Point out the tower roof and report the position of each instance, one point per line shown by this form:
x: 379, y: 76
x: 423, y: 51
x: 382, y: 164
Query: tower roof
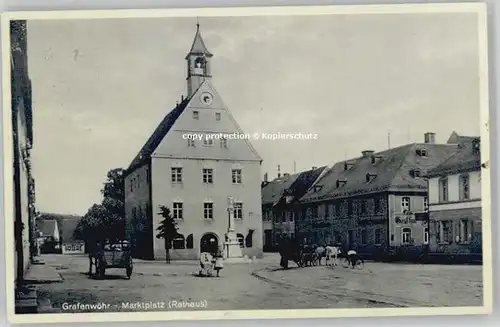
x: 198, y: 46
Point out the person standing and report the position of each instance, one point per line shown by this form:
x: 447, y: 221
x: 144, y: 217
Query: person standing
x: 218, y: 257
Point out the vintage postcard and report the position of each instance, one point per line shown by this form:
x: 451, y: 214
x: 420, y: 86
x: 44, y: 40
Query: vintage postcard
x: 236, y: 163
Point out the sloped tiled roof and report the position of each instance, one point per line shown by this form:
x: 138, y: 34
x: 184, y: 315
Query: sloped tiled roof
x: 198, y: 46
x: 295, y: 185
x: 158, y: 135
x: 465, y: 160
x: 272, y: 192
x: 456, y: 138
x: 392, y: 171
x: 65, y: 223
x: 304, y: 181
x: 47, y: 227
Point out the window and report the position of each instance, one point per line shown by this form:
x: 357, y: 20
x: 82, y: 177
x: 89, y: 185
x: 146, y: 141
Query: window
x: 464, y: 230
x: 134, y: 213
x: 196, y: 115
x: 308, y: 213
x: 283, y: 216
x: 189, y: 241
x: 207, y: 141
x: 364, y: 236
x: 464, y: 187
x: 208, y: 210
x: 445, y: 232
x: 443, y: 189
x: 223, y: 142
x: 208, y: 176
x: 241, y: 240
x: 406, y: 235
x: 238, y: 210
x: 291, y: 216
x: 191, y: 143
x: 236, y: 175
x: 178, y: 242
x: 426, y: 235
x: 176, y: 175
x: 331, y: 210
x: 217, y: 116
x: 177, y: 214
x: 132, y: 185
x: 292, y: 236
x: 405, y: 204
x: 378, y: 236
x: 426, y: 203
x: 421, y: 152
x: 363, y: 207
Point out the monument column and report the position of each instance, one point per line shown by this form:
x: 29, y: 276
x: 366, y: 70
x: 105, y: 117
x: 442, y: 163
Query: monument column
x: 233, y: 249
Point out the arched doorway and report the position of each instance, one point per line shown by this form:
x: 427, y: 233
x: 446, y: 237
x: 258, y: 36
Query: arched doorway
x: 209, y: 243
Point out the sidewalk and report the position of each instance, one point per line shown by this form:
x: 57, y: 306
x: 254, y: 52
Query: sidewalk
x: 27, y: 300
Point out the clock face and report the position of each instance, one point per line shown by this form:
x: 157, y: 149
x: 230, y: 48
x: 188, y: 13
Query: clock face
x: 206, y: 98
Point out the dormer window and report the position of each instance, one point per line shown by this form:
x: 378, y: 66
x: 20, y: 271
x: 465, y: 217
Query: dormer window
x: 415, y: 173
x: 317, y: 188
x: 196, y: 115
x: 341, y: 182
x: 421, y: 152
x: 370, y: 177
x: 217, y: 116
x: 376, y: 159
x: 348, y: 165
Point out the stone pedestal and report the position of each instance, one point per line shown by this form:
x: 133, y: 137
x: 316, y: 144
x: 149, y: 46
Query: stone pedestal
x: 232, y: 246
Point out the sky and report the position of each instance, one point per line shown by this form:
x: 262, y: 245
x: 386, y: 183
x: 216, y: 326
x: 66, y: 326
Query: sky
x: 101, y: 86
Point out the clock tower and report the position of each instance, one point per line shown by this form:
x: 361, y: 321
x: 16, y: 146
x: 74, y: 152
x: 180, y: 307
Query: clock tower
x: 198, y: 63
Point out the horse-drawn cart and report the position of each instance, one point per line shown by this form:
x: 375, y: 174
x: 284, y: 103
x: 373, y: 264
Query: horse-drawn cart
x: 117, y: 255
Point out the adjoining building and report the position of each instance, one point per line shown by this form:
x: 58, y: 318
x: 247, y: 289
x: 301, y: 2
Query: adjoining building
x: 279, y: 198
x: 25, y: 244
x: 195, y: 178
x: 455, y: 203
x: 375, y: 203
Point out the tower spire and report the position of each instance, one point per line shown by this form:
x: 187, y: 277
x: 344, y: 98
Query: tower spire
x: 198, y: 62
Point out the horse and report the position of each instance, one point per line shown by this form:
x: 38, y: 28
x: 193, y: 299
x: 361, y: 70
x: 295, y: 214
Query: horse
x: 319, y: 253
x: 332, y: 252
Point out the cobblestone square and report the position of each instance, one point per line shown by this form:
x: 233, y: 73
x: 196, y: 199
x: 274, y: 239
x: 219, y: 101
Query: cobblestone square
x: 260, y: 285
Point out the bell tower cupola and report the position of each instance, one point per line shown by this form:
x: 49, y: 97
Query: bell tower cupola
x: 198, y: 63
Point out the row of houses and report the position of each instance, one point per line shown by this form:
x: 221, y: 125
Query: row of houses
x: 56, y: 234
x: 403, y: 201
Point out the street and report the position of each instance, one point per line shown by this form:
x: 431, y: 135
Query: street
x: 261, y: 285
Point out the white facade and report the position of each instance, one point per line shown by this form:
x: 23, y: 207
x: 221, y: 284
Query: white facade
x: 195, y: 168
x: 456, y: 197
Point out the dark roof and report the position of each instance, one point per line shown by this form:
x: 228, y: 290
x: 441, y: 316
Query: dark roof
x: 391, y: 172
x: 465, y: 160
x: 304, y: 181
x: 198, y: 46
x: 66, y: 224
x: 295, y: 185
x: 272, y: 192
x: 157, y: 136
x: 47, y: 227
x: 455, y: 138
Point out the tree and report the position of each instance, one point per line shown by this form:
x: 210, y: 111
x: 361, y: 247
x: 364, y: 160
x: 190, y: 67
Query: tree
x: 106, y: 221
x: 167, y: 230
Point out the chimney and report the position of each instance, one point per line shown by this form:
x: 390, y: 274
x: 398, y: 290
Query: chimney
x: 279, y: 173
x: 286, y: 174
x: 314, y: 167
x: 367, y: 153
x: 182, y: 98
x: 265, y: 178
x: 430, y: 138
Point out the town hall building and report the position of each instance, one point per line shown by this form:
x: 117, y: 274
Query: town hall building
x: 207, y: 184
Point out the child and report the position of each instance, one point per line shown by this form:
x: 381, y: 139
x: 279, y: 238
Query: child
x: 218, y: 257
